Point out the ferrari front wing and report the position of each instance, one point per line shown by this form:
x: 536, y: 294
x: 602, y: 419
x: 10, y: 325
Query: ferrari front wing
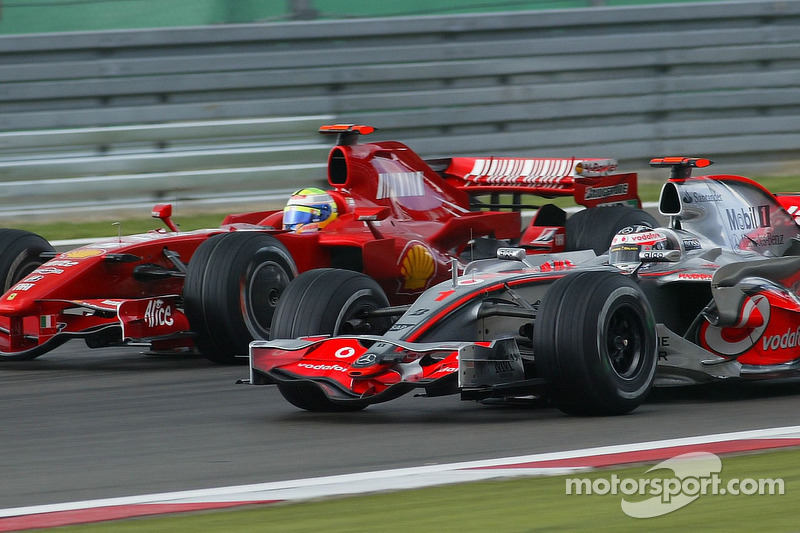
x: 98, y: 321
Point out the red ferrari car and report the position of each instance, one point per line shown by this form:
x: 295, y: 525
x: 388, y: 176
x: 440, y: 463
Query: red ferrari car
x: 388, y: 214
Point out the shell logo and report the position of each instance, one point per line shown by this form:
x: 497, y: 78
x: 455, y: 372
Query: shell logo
x: 416, y: 266
x: 83, y: 253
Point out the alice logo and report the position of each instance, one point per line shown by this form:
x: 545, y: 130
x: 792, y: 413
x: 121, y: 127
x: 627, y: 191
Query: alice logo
x: 158, y: 314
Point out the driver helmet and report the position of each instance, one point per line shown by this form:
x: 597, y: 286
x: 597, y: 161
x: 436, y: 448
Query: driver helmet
x: 628, y: 245
x: 308, y: 210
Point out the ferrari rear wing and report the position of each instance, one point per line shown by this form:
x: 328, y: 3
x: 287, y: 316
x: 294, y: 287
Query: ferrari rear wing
x: 591, y: 182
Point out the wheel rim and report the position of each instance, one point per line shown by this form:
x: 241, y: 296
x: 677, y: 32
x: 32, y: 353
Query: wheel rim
x: 625, y: 342
x: 266, y: 284
x: 348, y: 323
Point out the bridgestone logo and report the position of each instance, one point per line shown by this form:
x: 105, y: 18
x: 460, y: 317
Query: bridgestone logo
x: 593, y: 193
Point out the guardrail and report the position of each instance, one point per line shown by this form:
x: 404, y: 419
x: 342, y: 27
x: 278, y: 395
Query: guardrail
x: 719, y: 80
x: 48, y: 173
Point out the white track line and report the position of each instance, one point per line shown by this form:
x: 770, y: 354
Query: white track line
x: 394, y: 479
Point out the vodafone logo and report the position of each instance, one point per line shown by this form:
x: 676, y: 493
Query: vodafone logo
x: 309, y: 366
x: 790, y: 339
x: 733, y: 341
x: 647, y: 237
x: 345, y: 353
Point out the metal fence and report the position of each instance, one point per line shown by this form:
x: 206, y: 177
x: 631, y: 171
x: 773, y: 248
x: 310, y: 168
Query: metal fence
x: 188, y: 113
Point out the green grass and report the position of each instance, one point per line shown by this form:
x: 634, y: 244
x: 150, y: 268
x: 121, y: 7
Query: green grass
x: 53, y: 231
x: 530, y: 504
x: 780, y: 184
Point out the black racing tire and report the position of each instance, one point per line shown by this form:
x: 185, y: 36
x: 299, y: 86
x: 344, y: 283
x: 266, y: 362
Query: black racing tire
x: 322, y: 301
x: 594, y: 341
x: 233, y: 284
x: 20, y: 253
x: 314, y: 400
x: 594, y: 228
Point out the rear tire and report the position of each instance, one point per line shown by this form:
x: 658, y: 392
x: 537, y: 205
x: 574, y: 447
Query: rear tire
x: 594, y: 228
x: 594, y: 341
x: 233, y: 285
x: 325, y: 302
x: 20, y: 253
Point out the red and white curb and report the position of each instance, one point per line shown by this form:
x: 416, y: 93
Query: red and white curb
x: 542, y: 464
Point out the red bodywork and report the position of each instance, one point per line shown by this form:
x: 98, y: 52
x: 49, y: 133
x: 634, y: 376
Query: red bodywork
x: 331, y: 359
x: 399, y: 221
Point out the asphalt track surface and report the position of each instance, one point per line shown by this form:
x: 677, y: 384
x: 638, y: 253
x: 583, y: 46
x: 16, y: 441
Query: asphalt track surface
x: 79, y: 424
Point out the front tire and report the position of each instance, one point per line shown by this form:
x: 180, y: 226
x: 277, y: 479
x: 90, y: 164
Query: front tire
x: 20, y: 253
x: 233, y: 284
x: 310, y: 398
x: 326, y: 301
x: 594, y: 342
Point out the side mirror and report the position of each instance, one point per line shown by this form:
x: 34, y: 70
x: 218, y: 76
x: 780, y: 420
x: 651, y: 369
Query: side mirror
x: 371, y: 214
x: 164, y: 213
x: 368, y: 215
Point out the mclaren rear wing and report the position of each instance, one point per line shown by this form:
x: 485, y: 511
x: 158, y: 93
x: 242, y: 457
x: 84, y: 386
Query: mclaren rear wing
x: 591, y: 182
